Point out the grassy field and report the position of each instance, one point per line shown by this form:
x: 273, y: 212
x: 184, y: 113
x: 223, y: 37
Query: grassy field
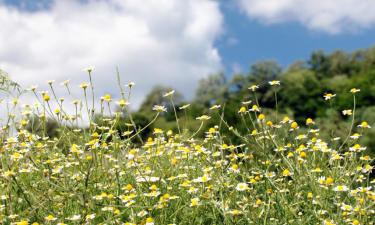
x: 282, y: 173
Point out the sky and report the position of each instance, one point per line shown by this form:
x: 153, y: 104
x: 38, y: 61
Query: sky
x: 170, y: 42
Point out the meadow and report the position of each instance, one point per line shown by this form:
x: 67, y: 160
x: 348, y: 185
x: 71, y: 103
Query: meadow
x: 280, y: 171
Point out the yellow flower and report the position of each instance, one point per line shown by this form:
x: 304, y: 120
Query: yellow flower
x: 123, y: 103
x: 149, y: 221
x: 364, y: 124
x: 23, y: 222
x: 328, y: 96
x: 235, y: 212
x: 294, y: 125
x: 194, y: 202
x: 57, y: 111
x: 341, y: 188
x: 354, y: 90
x: 329, y: 181
x: 45, y: 96
x: 261, y: 116
x: 242, y: 109
x: 274, y: 82
x: 309, y: 121
x: 107, y: 98
x: 255, y: 108
x: 355, y: 222
x: 50, y: 218
x: 286, y: 173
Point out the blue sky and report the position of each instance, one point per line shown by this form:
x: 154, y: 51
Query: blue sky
x: 285, y: 43
x: 170, y: 42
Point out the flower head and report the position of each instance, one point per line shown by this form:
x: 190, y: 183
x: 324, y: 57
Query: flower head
x: 274, y: 82
x: 328, y: 96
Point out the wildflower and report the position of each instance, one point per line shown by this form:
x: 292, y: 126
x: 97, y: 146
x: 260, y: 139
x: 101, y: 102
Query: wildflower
x: 130, y: 84
x: 33, y: 88
x: 45, y: 96
x: 357, y: 148
x: 74, y: 218
x: 16, y: 156
x: 341, y: 188
x: 90, y: 216
x: 57, y: 111
x: 255, y: 108
x: 50, y: 218
x: 242, y: 187
x: 50, y: 82
x: 159, y: 108
x: 84, y: 85
x: 149, y: 221
x: 364, y: 124
x: 235, y: 212
x: 253, y: 87
x: 203, y: 179
x: 194, y: 202
x: 347, y: 112
x: 168, y: 94
x: 242, y: 110
x: 286, y: 173
x: 215, y: 107
x: 355, y: 222
x: 328, y: 96
x: 88, y: 69
x: 261, y: 116
x: 355, y: 90
x: 309, y: 121
x: 274, y: 82
x: 65, y: 82
x: 203, y: 118
x: 107, y: 98
x: 355, y: 136
x: 258, y: 202
x: 184, y: 106
x: 346, y: 207
x: 123, y: 103
x: 23, y: 222
x: 294, y: 125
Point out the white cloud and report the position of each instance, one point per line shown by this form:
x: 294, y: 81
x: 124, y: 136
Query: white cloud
x: 167, y: 42
x: 332, y: 16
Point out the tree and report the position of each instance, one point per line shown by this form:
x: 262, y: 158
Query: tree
x: 212, y: 90
x: 265, y: 71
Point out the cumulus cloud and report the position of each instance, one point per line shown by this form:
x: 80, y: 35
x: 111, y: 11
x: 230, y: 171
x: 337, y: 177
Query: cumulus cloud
x: 168, y: 42
x: 332, y: 16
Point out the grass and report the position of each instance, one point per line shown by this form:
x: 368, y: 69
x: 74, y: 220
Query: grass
x: 279, y: 174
